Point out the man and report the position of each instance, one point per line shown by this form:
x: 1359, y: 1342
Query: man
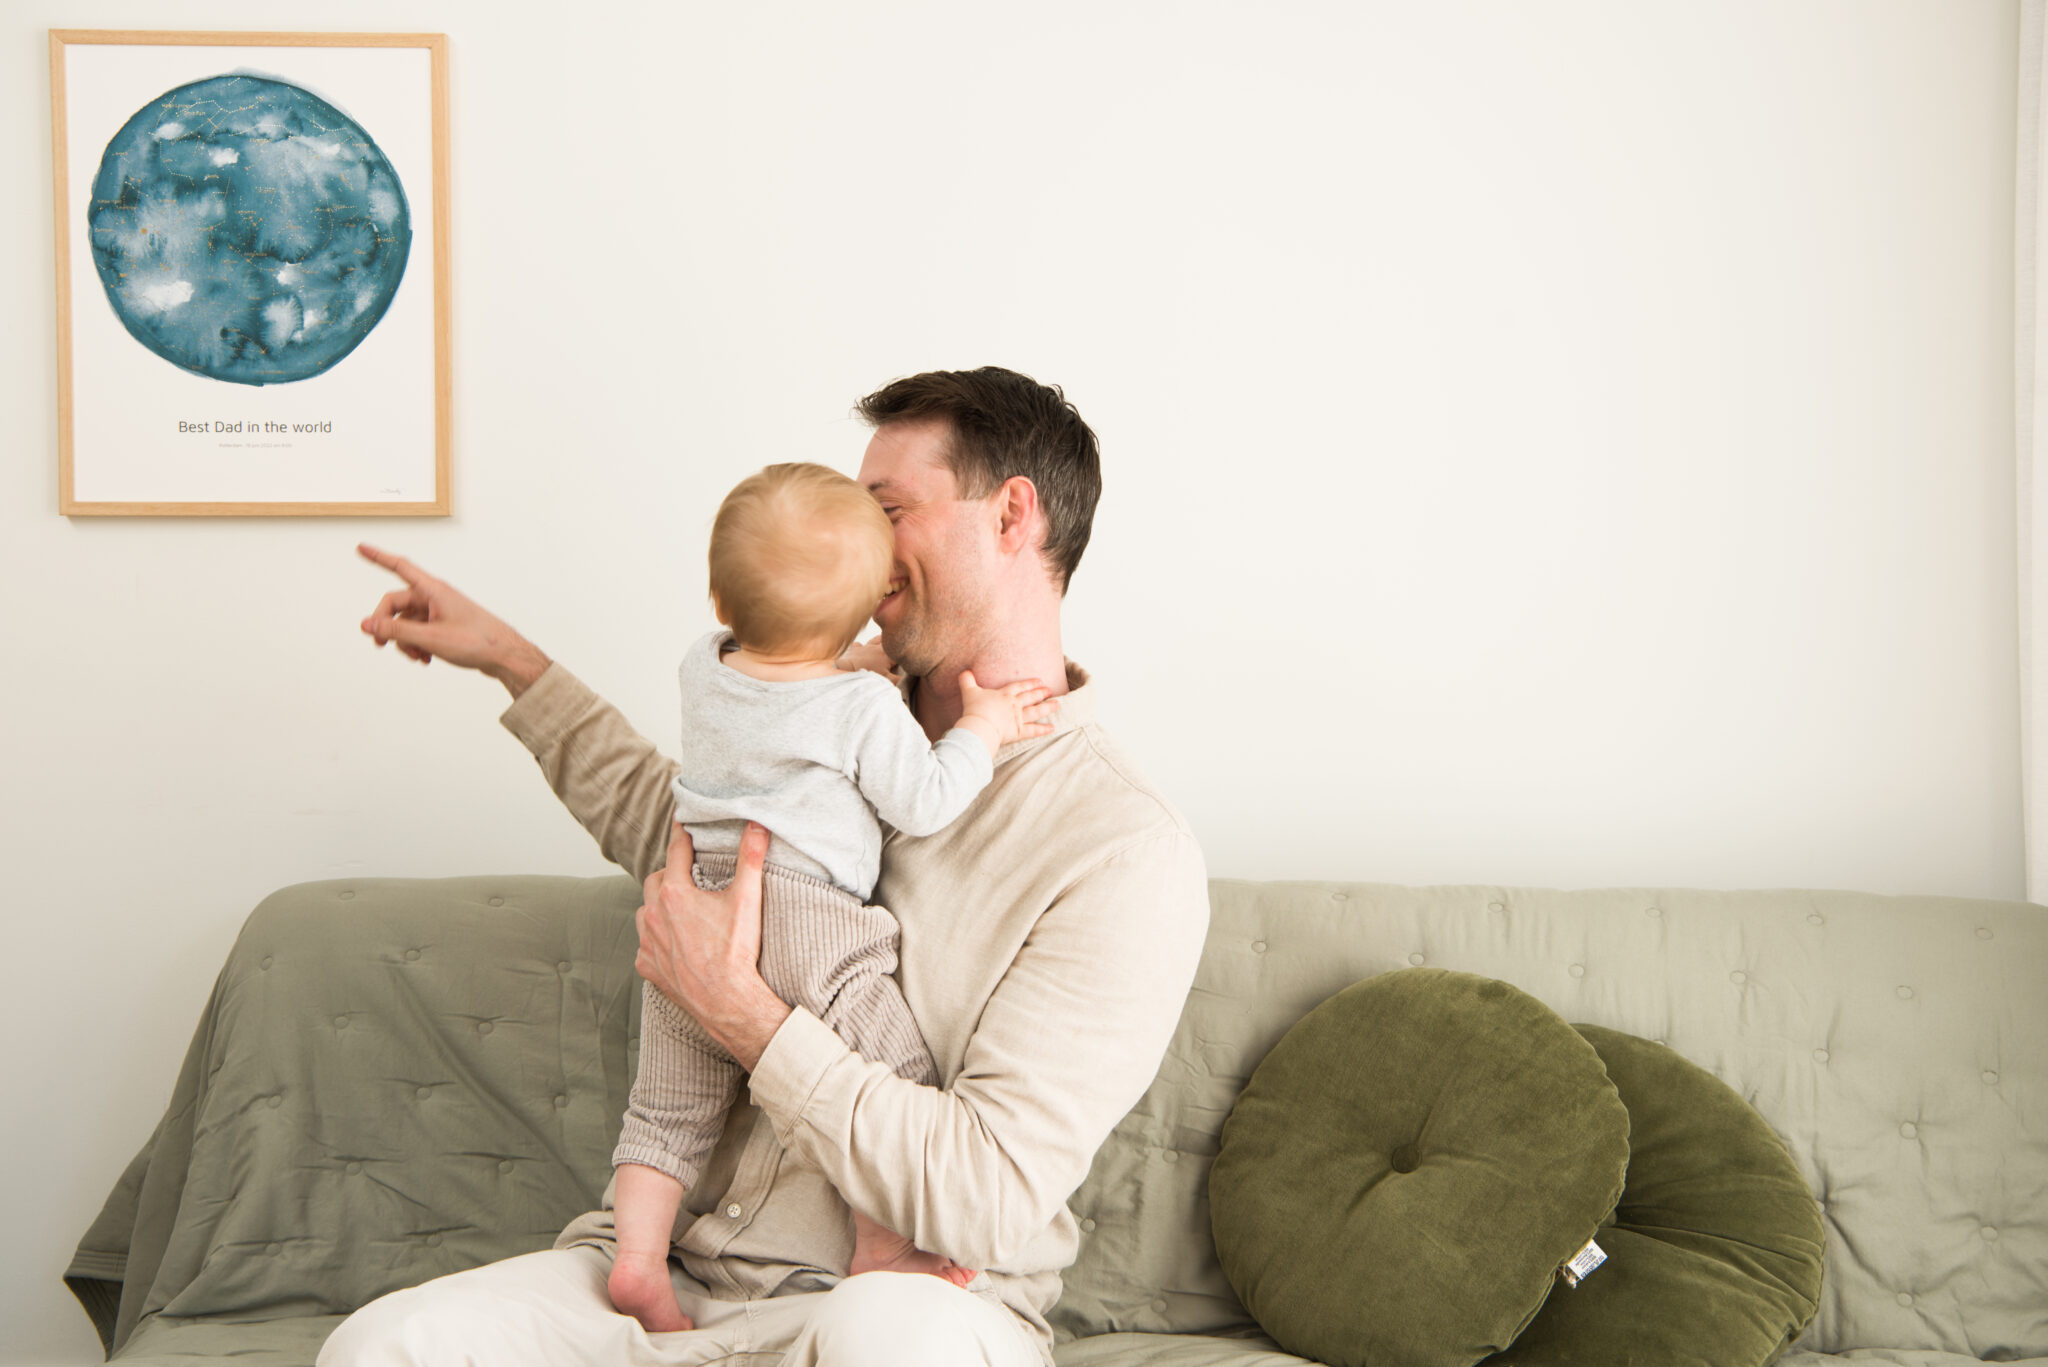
x: 1049, y: 937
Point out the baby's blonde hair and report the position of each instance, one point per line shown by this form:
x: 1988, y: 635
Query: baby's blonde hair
x: 800, y: 556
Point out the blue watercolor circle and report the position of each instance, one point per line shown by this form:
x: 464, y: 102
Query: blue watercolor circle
x: 247, y: 230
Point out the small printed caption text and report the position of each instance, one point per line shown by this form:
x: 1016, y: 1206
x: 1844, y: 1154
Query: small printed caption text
x: 253, y: 425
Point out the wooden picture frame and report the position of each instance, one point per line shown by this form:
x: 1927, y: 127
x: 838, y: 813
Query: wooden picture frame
x: 249, y: 319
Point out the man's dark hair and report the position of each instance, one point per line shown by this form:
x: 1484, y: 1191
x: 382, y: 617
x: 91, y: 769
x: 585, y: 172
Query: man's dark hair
x: 1005, y: 425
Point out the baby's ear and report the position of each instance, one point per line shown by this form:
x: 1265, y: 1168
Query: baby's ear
x: 718, y: 611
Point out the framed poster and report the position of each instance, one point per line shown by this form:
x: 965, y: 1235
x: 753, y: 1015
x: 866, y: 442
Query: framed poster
x: 252, y: 273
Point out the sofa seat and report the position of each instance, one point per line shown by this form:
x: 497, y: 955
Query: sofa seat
x: 290, y: 1342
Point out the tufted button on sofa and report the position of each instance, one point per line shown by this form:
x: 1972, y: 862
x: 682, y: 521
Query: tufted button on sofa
x: 400, y: 1078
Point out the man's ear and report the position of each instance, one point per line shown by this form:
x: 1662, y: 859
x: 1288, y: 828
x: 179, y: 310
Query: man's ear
x: 1020, y: 522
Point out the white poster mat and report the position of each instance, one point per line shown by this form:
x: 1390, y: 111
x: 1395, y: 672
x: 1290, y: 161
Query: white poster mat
x: 127, y: 402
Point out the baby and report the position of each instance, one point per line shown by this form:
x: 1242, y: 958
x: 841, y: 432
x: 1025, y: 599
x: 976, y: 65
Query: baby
x: 775, y: 731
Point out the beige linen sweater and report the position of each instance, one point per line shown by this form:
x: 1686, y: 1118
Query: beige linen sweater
x: 1049, y: 939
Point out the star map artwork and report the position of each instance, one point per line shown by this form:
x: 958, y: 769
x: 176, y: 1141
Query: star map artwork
x: 247, y: 230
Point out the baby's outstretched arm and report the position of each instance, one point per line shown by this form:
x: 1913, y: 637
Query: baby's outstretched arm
x: 919, y: 786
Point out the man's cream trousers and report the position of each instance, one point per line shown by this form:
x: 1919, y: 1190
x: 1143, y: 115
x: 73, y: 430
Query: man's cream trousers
x: 551, y: 1309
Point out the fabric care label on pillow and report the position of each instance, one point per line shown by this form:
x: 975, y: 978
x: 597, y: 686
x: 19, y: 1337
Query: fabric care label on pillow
x: 1582, y: 1264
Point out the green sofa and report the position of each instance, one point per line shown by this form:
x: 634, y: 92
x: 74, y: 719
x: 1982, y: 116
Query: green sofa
x: 401, y: 1078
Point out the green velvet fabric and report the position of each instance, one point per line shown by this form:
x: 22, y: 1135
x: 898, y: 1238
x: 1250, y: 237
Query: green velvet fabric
x: 1715, y: 1251
x: 1409, y: 1168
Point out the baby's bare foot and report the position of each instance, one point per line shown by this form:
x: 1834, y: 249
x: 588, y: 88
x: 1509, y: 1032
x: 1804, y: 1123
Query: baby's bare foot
x: 640, y: 1287
x: 876, y: 1249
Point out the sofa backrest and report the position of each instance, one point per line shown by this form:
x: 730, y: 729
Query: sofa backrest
x: 395, y: 1079
x: 1898, y: 1045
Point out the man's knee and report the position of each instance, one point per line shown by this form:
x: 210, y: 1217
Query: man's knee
x: 908, y: 1320
x: 436, y: 1324
x: 540, y: 1307
x: 373, y: 1336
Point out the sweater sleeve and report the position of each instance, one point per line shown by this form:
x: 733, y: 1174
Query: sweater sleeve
x: 1067, y: 1044
x: 609, y: 776
x: 913, y: 784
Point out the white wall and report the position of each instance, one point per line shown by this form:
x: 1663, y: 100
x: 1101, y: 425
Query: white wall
x: 1561, y: 444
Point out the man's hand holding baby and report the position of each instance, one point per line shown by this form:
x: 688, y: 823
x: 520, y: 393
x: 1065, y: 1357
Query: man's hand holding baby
x: 702, y: 950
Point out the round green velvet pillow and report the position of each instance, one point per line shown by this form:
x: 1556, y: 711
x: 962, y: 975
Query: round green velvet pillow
x: 1408, y: 1170
x: 1714, y: 1254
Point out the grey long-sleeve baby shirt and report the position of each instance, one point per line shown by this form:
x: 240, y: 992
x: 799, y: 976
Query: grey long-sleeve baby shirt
x: 816, y: 761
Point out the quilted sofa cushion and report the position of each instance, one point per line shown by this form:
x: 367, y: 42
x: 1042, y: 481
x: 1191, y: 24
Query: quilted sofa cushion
x: 1411, y: 1165
x: 428, y: 1075
x: 1899, y: 1046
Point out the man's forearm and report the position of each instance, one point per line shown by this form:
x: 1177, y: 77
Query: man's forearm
x: 519, y: 665
x: 609, y: 776
x: 747, y: 1021
x: 748, y: 1031
x: 1061, y: 1050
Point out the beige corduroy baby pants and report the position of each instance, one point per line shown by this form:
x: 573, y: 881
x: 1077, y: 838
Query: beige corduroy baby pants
x: 822, y: 950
